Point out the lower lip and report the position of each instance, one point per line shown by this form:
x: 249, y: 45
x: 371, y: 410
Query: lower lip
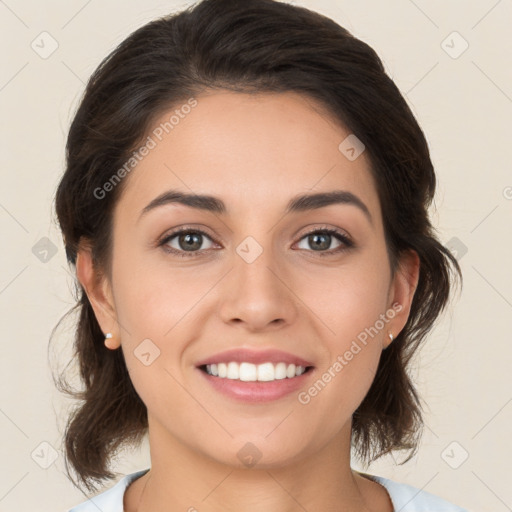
x: 255, y: 391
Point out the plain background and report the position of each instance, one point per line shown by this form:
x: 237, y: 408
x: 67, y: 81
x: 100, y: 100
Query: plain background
x: 463, y: 102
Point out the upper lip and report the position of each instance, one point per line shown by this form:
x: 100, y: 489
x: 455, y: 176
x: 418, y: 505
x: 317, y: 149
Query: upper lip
x: 241, y: 355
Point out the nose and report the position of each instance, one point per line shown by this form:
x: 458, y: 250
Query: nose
x: 257, y: 294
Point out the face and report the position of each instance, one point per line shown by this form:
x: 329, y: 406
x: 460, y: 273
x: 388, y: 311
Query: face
x: 308, y: 285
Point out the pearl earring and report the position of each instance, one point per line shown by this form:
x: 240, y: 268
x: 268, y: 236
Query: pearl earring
x: 108, y: 343
x: 391, y: 337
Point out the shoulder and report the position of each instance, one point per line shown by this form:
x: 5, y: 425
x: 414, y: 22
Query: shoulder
x: 112, y: 499
x: 408, y: 498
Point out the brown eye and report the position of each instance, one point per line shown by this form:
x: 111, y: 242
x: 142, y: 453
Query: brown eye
x: 185, y: 241
x: 321, y: 240
x: 189, y: 241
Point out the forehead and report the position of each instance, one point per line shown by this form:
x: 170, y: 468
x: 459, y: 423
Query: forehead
x: 249, y: 149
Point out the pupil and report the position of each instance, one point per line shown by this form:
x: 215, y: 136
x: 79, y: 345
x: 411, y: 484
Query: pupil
x: 190, y: 239
x: 320, y: 245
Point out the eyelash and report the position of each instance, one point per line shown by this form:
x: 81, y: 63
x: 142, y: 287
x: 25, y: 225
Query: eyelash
x: 346, y: 242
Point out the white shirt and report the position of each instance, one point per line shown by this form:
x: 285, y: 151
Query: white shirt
x: 405, y: 498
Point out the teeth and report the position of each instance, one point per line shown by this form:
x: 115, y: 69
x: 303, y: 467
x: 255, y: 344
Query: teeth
x: 249, y: 372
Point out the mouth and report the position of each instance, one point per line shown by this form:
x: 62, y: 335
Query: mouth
x: 256, y: 376
x: 249, y: 372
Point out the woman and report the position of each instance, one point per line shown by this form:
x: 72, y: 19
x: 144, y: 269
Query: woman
x: 245, y: 204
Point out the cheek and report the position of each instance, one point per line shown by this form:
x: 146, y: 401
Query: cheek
x: 152, y: 296
x: 354, y: 321
x: 347, y: 299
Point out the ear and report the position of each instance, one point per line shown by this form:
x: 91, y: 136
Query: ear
x: 401, y: 293
x: 99, y: 293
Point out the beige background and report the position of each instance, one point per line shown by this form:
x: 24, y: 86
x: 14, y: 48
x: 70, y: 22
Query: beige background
x: 463, y: 104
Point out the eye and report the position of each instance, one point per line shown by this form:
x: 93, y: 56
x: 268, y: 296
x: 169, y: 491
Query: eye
x: 188, y: 242
x: 321, y: 239
x: 185, y: 240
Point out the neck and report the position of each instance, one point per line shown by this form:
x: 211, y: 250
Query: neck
x: 183, y: 479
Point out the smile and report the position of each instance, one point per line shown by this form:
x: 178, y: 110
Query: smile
x: 249, y: 372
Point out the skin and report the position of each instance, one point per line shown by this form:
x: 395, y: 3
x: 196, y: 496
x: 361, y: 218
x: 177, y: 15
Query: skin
x: 255, y: 152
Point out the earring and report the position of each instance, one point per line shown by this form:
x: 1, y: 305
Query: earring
x: 391, y: 337
x: 108, y: 343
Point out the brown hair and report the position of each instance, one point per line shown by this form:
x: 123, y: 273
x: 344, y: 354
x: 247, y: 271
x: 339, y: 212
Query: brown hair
x: 244, y: 46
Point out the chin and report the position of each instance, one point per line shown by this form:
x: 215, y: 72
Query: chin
x: 257, y: 452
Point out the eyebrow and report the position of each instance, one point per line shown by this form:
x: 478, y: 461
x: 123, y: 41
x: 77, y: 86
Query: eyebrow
x: 298, y: 203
